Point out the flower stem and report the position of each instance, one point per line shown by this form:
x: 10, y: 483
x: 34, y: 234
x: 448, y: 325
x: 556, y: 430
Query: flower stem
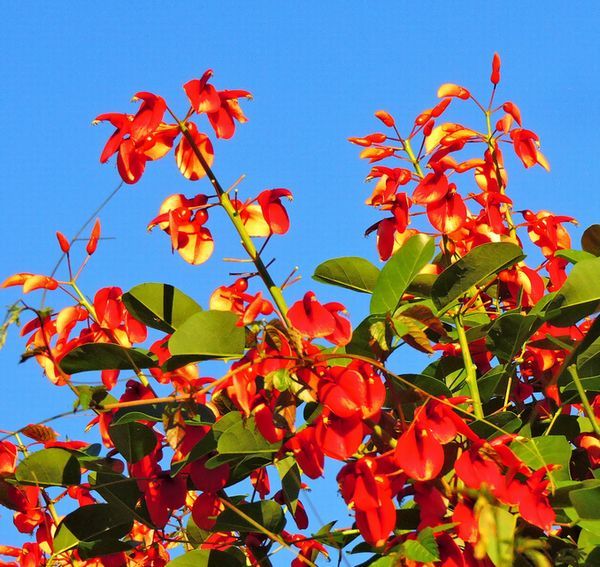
x: 470, y: 367
x: 587, y: 408
x: 233, y: 215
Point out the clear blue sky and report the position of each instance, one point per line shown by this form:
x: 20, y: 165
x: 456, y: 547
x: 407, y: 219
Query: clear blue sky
x: 317, y: 70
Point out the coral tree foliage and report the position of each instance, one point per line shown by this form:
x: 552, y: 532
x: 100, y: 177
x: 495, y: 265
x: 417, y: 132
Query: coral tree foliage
x: 489, y: 456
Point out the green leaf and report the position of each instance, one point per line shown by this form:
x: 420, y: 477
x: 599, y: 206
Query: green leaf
x: 574, y: 256
x: 123, y: 493
x: 92, y: 396
x: 476, y: 267
x: 238, y: 436
x: 91, y: 523
x: 578, y: 297
x: 207, y: 558
x: 399, y: 271
x: 289, y: 473
x: 149, y: 412
x: 508, y: 334
x: 49, y: 467
x: 542, y: 451
x: 160, y: 306
x: 586, y: 502
x: 590, y: 239
x: 349, y: 272
x: 267, y: 513
x: 133, y: 440
x: 209, y: 334
x: 497, y: 527
x: 105, y: 356
x: 424, y: 549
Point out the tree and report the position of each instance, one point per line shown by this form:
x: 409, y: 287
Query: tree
x: 487, y: 457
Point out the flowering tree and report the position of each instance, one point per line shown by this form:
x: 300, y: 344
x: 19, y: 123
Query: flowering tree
x: 489, y: 456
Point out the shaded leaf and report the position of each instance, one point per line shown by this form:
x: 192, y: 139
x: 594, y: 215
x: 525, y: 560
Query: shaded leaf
x: 289, y: 473
x: 508, y: 334
x: 207, y: 558
x: 590, y: 239
x: 91, y: 523
x: 123, y: 493
x: 267, y: 513
x: 133, y: 440
x: 105, y: 356
x: 506, y: 421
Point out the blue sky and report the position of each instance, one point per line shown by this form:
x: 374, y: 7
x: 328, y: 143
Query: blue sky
x: 318, y: 71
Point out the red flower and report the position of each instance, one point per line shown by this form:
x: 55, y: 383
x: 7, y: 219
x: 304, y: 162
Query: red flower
x: 221, y: 107
x: 187, y: 160
x: 139, y: 138
x: 526, y: 145
x: 315, y: 320
x: 419, y: 453
x: 273, y: 211
x: 307, y: 452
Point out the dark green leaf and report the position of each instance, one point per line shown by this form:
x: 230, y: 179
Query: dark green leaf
x: 289, y: 473
x: 508, y: 334
x: 497, y: 424
x: 428, y: 384
x: 476, y: 267
x: 590, y: 239
x: 133, y: 440
x: 267, y: 513
x: 49, y: 467
x: 160, y: 306
x: 349, y: 272
x: 209, y: 334
x: 207, y: 558
x: 578, y: 297
x: 421, y: 285
x: 123, y: 493
x: 105, y: 356
x: 493, y: 382
x: 399, y: 272
x: 91, y: 523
